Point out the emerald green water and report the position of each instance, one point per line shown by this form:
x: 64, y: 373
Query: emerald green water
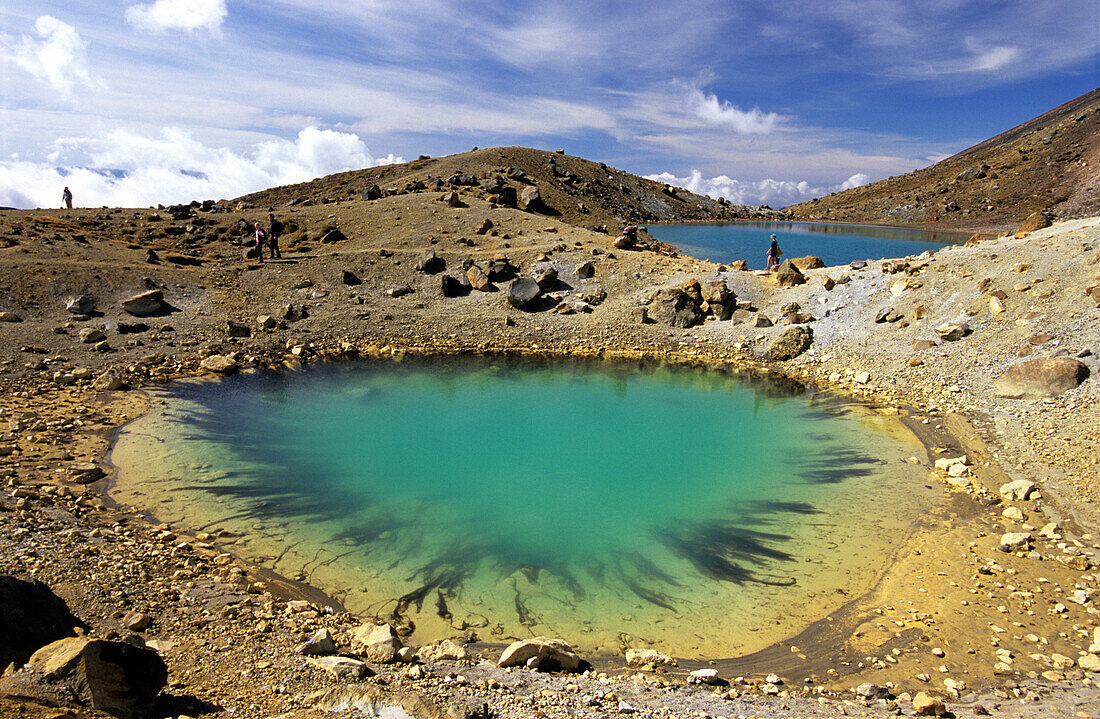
x: 610, y: 504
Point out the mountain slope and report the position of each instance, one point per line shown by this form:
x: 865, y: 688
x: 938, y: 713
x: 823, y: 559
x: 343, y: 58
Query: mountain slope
x: 574, y: 190
x: 1048, y: 164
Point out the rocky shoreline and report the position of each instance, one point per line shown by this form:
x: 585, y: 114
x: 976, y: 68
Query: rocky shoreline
x: 968, y: 612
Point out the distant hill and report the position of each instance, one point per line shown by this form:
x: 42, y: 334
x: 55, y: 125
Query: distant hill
x: 574, y: 190
x: 1049, y: 164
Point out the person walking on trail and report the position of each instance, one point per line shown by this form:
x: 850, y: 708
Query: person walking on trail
x: 773, y: 253
x: 274, y: 229
x: 67, y: 198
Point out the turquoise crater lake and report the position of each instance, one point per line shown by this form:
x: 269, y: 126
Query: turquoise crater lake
x: 613, y: 504
x: 836, y: 244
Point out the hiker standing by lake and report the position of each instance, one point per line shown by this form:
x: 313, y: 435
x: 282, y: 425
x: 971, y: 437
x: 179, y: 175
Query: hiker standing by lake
x: 773, y: 253
x: 67, y: 198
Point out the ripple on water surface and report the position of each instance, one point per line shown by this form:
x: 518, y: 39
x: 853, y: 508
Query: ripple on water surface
x: 609, y: 504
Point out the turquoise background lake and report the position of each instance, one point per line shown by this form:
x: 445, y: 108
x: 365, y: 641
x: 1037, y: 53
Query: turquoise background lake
x: 836, y: 244
x: 594, y: 501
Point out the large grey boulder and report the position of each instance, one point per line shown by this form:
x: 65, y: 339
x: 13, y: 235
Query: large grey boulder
x: 119, y: 678
x: 675, y: 308
x: 787, y: 275
x: 1041, y: 377
x: 522, y: 292
x: 31, y: 616
x: 541, y: 652
x: 791, y: 343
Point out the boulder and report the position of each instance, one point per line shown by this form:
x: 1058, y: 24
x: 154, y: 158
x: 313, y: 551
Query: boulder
x: 809, y: 262
x: 791, y: 343
x: 721, y: 301
x: 344, y: 669
x: 1021, y: 489
x: 10, y: 317
x: 1011, y: 541
x: 399, y: 291
x: 372, y: 192
x: 85, y: 472
x: 452, y: 286
x: 952, y: 331
x: 31, y: 618
x: 706, y: 676
x: 872, y: 692
x: 546, y: 278
x: 119, y: 678
x: 1035, y: 221
x: 501, y: 269
x: 478, y: 279
x: 522, y: 291
x: 928, y: 706
x: 91, y: 335
x: 1041, y: 377
x: 484, y: 227
x: 219, y: 364
x: 145, y: 303
x: 788, y: 275
x: 377, y: 642
x: 674, y: 307
x: 80, y: 305
x: 350, y: 279
x: 739, y: 266
x: 320, y: 643
x: 430, y: 263
x: 541, y: 652
x: 333, y: 235
x: 651, y: 657
x: 585, y: 270
x: 237, y: 329
x: 530, y: 199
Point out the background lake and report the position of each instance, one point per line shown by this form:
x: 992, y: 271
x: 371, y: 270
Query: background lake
x: 836, y: 244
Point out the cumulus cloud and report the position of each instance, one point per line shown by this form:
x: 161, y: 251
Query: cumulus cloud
x: 721, y: 113
x: 186, y: 15
x: 58, y: 56
x: 125, y: 169
x: 776, y: 193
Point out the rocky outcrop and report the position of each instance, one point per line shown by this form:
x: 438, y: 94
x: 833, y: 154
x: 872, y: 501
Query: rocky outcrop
x: 1041, y: 377
x: 31, y: 617
x: 119, y: 678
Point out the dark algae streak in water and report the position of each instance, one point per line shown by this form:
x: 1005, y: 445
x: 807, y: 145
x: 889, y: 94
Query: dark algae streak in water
x: 581, y: 498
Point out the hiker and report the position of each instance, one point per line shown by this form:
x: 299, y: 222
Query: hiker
x: 773, y: 253
x: 258, y: 243
x: 67, y: 198
x: 274, y: 229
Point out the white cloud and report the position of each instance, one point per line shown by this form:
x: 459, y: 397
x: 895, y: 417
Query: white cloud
x: 125, y: 169
x: 720, y: 113
x: 58, y: 57
x: 776, y: 193
x: 989, y: 58
x: 187, y: 15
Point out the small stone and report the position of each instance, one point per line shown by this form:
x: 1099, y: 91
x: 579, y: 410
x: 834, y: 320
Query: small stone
x: 926, y: 705
x: 320, y: 643
x: 1018, y: 490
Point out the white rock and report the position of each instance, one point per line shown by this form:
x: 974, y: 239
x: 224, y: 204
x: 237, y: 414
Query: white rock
x: 1090, y: 663
x: 543, y: 649
x: 705, y: 676
x: 1020, y: 489
x: 1013, y: 513
x: 641, y: 657
x: 1015, y: 540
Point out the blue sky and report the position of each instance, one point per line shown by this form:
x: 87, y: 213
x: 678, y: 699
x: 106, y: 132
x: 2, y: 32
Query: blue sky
x: 756, y: 101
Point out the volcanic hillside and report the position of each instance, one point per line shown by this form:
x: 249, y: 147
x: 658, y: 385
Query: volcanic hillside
x: 1049, y: 164
x: 571, y: 189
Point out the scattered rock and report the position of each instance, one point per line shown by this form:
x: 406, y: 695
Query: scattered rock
x: 399, y: 291
x: 320, y: 643
x: 788, y: 275
x: 430, y: 263
x: 377, y: 642
x: 478, y: 279
x: 1011, y: 541
x: 926, y: 705
x: 546, y: 653
x: 145, y: 303
x: 80, y: 305
x: 1041, y: 377
x: 372, y: 192
x: 484, y: 227
x: 530, y: 199
x: 1019, y: 490
x: 706, y: 676
x: 219, y: 364
x: 1035, y: 221
x: 344, y: 669
x: 522, y: 291
x: 952, y: 331
x: 809, y: 262
x: 651, y: 657
x: 585, y: 270
x: 237, y: 329
x: 350, y: 279
x: 791, y: 343
x: 872, y: 692
x: 91, y: 335
x: 85, y: 472
x: 675, y: 308
x: 454, y: 287
x: 10, y: 317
